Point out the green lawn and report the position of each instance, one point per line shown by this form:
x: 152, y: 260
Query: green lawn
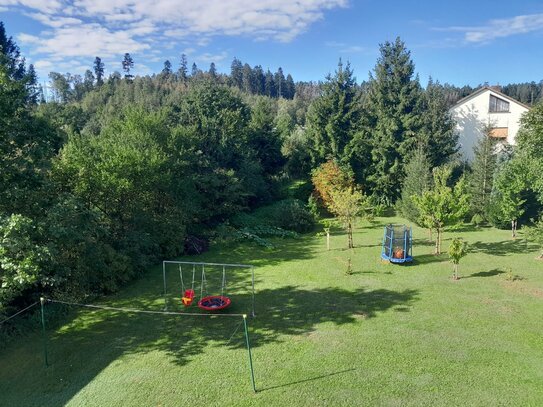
x: 386, y: 335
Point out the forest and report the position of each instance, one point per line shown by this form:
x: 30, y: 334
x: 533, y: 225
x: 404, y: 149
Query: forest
x: 103, y: 176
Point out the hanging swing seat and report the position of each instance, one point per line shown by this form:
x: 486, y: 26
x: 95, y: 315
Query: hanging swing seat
x: 214, y: 303
x: 188, y: 297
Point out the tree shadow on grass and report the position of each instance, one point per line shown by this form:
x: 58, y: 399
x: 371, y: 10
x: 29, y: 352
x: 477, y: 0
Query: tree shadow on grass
x: 423, y: 242
x: 502, y: 248
x: 95, y: 339
x: 428, y: 258
x: 489, y: 273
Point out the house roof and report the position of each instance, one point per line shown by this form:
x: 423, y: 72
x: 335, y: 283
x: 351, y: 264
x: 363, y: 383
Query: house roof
x: 491, y: 89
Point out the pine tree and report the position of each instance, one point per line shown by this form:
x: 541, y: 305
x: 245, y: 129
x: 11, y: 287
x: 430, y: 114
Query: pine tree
x: 99, y: 71
x: 482, y: 175
x: 88, y: 80
x: 437, y: 135
x: 167, y: 70
x: 31, y: 79
x: 259, y: 80
x: 247, y: 79
x: 392, y: 119
x: 269, y: 85
x: 128, y: 64
x: 332, y: 118
x: 279, y: 78
x: 290, y: 87
x: 10, y: 56
x: 182, y: 73
x: 194, y: 71
x: 212, y: 70
x: 236, y: 73
x: 417, y: 180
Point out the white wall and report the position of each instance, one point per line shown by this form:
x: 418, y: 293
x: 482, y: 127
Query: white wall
x: 472, y: 116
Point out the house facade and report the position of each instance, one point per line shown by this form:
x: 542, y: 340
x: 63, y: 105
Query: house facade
x: 486, y: 108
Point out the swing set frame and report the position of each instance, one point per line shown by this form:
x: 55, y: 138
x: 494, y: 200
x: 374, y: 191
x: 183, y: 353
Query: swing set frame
x: 203, y: 266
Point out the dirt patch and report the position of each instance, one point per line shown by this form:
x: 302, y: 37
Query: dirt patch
x: 521, y: 288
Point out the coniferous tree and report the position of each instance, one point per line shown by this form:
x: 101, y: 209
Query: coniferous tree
x: 269, y: 85
x: 88, y: 80
x: 128, y: 64
x: 437, y: 135
x: 167, y: 70
x: 31, y: 79
x: 259, y: 80
x: 194, y: 71
x: 482, y: 174
x: 236, y: 73
x: 212, y: 70
x: 247, y: 80
x: 279, y: 78
x: 182, y: 73
x: 10, y: 56
x: 417, y: 180
x: 392, y: 118
x: 332, y: 117
x: 99, y: 71
x: 290, y: 87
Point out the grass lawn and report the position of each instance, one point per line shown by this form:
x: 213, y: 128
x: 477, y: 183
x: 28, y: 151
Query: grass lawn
x: 385, y: 335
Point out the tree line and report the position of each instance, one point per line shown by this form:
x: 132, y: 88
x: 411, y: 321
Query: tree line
x: 251, y: 80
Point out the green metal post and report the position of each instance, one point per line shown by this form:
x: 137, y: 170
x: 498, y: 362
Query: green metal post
x: 249, y: 351
x: 44, y: 338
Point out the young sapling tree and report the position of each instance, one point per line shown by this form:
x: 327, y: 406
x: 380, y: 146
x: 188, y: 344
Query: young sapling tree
x: 442, y: 205
x: 457, y: 250
x: 347, y: 204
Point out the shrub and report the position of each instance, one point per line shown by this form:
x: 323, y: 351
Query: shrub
x: 477, y: 219
x: 291, y: 214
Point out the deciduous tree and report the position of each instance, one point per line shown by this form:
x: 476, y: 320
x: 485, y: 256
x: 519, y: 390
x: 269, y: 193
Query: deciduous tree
x: 442, y: 205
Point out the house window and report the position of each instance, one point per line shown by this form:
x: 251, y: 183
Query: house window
x: 498, y: 105
x: 499, y: 132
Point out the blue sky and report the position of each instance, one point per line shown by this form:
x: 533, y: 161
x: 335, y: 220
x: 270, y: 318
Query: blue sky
x: 460, y: 42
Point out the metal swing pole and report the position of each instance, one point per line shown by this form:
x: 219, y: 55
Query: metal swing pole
x: 249, y: 352
x: 223, y: 280
x: 193, y: 275
x: 164, y: 277
x: 253, y: 287
x: 44, y: 337
x: 202, y: 284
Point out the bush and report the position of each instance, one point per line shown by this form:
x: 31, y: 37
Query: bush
x: 477, y: 219
x: 289, y: 214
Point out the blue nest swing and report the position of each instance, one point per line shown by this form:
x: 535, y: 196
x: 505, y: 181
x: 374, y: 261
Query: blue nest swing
x: 397, y: 244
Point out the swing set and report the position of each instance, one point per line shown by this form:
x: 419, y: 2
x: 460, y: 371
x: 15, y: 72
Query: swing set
x: 208, y: 302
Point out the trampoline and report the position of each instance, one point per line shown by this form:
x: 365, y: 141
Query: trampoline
x: 214, y: 303
x: 397, y: 244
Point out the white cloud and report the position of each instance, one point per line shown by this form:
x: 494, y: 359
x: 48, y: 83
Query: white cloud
x: 344, y: 48
x: 83, y: 29
x: 208, y: 57
x: 500, y: 28
x: 84, y: 40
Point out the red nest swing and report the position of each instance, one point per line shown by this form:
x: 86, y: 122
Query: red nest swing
x: 209, y: 302
x: 214, y: 303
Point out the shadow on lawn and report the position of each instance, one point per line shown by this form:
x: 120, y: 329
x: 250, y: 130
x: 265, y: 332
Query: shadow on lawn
x: 95, y: 339
x: 489, y: 273
x: 502, y: 248
x: 310, y: 379
x: 428, y: 258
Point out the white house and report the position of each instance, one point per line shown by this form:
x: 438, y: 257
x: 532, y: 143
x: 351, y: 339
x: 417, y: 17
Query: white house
x: 486, y: 107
